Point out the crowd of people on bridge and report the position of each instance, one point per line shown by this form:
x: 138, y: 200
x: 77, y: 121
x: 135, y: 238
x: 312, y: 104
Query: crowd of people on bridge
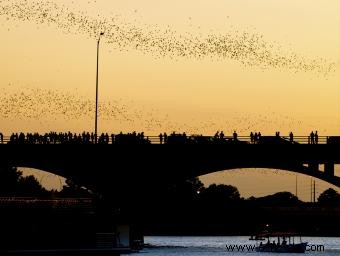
x: 51, y: 138
x: 218, y: 138
x: 313, y: 138
x: 140, y: 138
x: 255, y: 137
x: 173, y: 138
x: 130, y: 138
x: 74, y: 138
x: 194, y: 139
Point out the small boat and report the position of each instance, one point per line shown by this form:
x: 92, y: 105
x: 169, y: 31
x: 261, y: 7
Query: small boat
x: 256, y: 238
x: 280, y: 242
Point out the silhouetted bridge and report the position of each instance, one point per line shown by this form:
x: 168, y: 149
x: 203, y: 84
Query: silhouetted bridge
x: 140, y: 138
x: 122, y: 168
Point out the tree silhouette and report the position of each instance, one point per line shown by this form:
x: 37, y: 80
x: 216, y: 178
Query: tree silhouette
x: 329, y: 197
x: 72, y: 189
x: 9, y: 180
x: 277, y: 199
x: 12, y: 183
x: 220, y: 194
x: 29, y: 186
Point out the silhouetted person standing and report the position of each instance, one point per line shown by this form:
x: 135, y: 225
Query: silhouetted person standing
x: 235, y: 136
x: 165, y: 136
x: 312, y: 137
x: 251, y: 137
x: 160, y: 138
x: 1, y: 138
x: 259, y: 136
x: 316, y: 137
x: 255, y: 137
x: 22, y: 137
x: 291, y: 137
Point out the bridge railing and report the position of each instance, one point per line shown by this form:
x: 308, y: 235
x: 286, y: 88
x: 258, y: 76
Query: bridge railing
x: 195, y: 139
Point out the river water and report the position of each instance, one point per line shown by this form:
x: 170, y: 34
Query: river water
x: 207, y: 246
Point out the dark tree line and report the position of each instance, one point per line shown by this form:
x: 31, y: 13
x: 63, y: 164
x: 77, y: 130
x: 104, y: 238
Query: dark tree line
x: 329, y: 197
x: 188, y: 207
x: 193, y: 190
x: 14, y: 184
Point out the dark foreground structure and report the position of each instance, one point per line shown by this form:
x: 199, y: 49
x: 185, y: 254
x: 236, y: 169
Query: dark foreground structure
x: 103, y: 167
x: 129, y: 177
x: 31, y: 226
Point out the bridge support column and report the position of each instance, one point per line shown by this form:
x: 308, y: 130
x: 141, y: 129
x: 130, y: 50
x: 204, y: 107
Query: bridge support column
x: 129, y: 236
x: 314, y: 166
x: 329, y: 169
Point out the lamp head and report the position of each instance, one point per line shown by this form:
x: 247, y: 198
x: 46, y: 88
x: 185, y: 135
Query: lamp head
x: 101, y: 34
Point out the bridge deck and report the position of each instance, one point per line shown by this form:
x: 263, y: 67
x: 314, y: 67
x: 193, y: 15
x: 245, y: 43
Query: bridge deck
x: 99, y: 163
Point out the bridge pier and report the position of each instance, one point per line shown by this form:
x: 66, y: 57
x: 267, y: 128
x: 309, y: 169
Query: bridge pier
x: 329, y: 169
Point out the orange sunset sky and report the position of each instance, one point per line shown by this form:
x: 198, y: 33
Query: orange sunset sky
x: 196, y: 66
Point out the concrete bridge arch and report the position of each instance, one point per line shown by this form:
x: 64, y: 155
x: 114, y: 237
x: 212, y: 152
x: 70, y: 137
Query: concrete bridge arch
x: 129, y: 165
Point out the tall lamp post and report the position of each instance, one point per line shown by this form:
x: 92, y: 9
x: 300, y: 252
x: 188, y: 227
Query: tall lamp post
x: 96, y: 116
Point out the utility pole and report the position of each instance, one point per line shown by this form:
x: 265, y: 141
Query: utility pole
x: 311, y: 190
x: 296, y: 190
x: 314, y: 192
x: 96, y: 115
